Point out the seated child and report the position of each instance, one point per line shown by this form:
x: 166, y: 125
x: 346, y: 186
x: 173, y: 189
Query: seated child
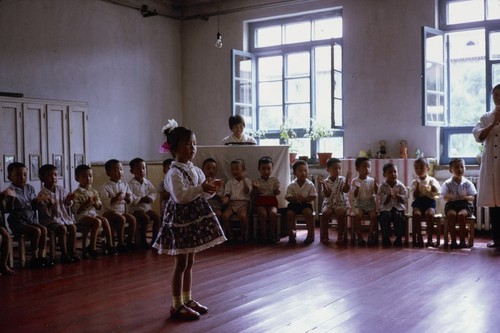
x: 209, y: 168
x: 392, y: 199
x: 237, y: 127
x: 425, y: 190
x: 55, y: 213
x: 116, y: 195
x: 21, y: 204
x: 336, y: 200
x: 459, y: 193
x: 86, y: 203
x: 5, y: 237
x: 144, y: 194
x: 364, y: 189
x: 237, y: 198
x: 265, y: 189
x: 164, y: 195
x: 300, y: 194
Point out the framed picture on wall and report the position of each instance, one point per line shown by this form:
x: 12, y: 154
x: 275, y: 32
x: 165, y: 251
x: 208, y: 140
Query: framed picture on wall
x: 79, y: 160
x: 57, y: 160
x: 34, y: 166
x: 7, y: 159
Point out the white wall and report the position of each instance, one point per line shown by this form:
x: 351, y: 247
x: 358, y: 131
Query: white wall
x: 135, y: 72
x: 382, y: 61
x: 125, y: 66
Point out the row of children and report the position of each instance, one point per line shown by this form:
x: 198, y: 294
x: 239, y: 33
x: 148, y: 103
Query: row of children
x: 457, y: 191
x: 54, y: 209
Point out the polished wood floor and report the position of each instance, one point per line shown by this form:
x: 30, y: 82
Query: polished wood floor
x: 265, y: 288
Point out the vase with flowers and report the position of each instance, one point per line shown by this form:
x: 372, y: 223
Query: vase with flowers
x: 316, y: 132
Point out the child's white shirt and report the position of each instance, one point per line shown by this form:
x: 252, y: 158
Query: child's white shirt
x: 141, y: 190
x: 307, y: 189
x: 235, y: 189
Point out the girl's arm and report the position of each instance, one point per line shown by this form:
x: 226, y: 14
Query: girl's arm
x: 181, y: 191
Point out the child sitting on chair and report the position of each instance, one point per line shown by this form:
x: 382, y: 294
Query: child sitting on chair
x: 237, y: 127
x: 300, y: 194
x: 4, y: 236
x: 364, y: 189
x: 55, y: 213
x: 336, y: 201
x: 425, y: 190
x: 392, y: 199
x: 144, y: 194
x: 21, y: 204
x: 458, y: 192
x: 209, y: 168
x: 116, y: 195
x: 85, y: 206
x: 265, y: 189
x: 237, y: 198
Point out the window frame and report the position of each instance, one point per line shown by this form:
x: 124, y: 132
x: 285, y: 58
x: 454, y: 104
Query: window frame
x: 285, y: 49
x: 493, y: 25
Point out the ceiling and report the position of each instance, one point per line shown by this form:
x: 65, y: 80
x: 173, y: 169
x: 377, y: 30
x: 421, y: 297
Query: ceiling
x: 201, y: 9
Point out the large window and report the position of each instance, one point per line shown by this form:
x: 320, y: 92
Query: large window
x: 289, y: 86
x: 461, y: 65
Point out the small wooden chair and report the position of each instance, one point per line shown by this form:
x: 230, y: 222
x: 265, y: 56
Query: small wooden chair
x: 256, y: 226
x: 470, y: 226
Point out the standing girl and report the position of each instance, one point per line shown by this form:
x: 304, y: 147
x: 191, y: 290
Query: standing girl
x: 189, y: 224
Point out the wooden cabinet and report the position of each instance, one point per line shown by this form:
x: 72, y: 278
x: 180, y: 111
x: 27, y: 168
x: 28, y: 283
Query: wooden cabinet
x: 37, y: 132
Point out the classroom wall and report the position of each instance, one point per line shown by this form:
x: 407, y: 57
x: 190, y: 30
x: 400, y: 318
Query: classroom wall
x: 135, y: 72
x: 125, y: 66
x: 382, y: 67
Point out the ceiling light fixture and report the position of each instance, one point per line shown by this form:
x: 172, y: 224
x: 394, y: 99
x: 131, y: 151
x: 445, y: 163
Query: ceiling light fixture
x: 218, y: 42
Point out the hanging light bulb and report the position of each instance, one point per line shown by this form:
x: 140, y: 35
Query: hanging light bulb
x: 218, y: 42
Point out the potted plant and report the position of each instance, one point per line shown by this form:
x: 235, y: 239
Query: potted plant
x: 257, y: 134
x: 287, y: 133
x: 316, y: 131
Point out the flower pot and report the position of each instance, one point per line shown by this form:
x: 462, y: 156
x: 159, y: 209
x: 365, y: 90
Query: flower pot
x: 323, y: 158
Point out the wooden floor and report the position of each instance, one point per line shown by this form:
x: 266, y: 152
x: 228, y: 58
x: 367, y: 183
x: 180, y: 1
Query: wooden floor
x: 271, y: 288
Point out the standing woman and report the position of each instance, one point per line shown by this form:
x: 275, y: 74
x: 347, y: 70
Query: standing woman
x: 487, y: 131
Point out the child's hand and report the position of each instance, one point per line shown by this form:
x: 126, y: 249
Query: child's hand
x: 9, y: 192
x: 70, y: 197
x: 146, y: 199
x: 208, y: 187
x: 225, y: 200
x: 127, y: 197
x: 255, y: 184
x: 348, y: 176
x: 43, y: 197
x: 321, y: 180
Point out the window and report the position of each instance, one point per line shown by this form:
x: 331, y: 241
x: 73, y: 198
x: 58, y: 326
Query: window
x: 461, y: 66
x: 291, y: 81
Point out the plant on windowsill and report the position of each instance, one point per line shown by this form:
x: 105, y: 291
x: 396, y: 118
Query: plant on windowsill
x: 287, y: 133
x: 257, y: 134
x: 317, y: 131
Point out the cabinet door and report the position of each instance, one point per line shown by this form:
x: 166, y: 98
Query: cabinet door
x: 10, y: 138
x: 57, y: 141
x: 34, y: 142
x: 77, y: 140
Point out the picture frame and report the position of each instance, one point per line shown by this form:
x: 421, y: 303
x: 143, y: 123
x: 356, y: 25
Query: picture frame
x: 79, y: 159
x: 57, y: 160
x: 7, y: 159
x: 34, y: 166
